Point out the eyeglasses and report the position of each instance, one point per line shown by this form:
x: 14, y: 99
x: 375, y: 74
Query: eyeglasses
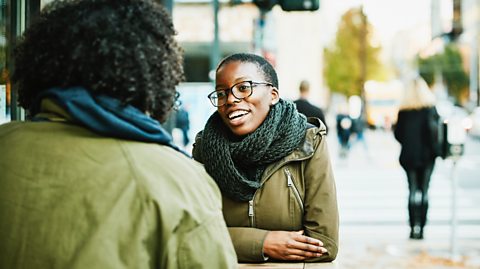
x: 240, y: 91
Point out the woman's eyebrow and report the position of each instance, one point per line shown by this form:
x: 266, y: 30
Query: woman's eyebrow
x: 237, y: 80
x: 220, y: 87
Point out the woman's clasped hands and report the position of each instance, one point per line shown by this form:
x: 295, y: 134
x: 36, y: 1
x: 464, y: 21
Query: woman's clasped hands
x: 283, y: 245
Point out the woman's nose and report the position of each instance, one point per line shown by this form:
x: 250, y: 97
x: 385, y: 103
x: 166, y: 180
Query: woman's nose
x: 231, y: 98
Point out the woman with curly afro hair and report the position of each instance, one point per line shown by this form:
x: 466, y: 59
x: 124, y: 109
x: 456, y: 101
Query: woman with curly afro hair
x: 124, y: 51
x: 93, y: 180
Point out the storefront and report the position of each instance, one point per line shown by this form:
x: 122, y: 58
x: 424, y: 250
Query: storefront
x: 15, y: 15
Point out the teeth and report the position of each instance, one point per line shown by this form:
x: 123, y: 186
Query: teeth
x: 237, y: 113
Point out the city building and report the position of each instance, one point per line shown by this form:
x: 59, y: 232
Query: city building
x: 292, y: 41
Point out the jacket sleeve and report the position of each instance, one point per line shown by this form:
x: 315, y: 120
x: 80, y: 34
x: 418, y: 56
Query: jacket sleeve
x: 398, y: 131
x: 191, y: 230
x: 433, y: 136
x: 321, y: 219
x: 207, y: 246
x: 248, y: 243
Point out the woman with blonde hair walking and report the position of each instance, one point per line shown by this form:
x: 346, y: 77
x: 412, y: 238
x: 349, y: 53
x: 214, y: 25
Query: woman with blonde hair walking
x: 417, y: 157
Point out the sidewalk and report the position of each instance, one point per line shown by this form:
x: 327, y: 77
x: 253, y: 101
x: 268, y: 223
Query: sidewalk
x: 372, y: 196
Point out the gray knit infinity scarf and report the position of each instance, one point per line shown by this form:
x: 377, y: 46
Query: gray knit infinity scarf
x: 237, y: 163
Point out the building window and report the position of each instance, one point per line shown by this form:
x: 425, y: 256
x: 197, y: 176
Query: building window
x: 4, y: 85
x: 15, y: 15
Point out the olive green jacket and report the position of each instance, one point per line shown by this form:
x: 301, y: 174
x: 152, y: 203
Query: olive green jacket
x: 70, y: 198
x: 298, y: 193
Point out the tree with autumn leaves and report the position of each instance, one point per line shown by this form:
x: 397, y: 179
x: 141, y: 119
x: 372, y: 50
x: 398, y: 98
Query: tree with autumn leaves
x: 353, y: 58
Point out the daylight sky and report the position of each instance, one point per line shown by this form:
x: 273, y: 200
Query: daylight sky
x: 387, y: 16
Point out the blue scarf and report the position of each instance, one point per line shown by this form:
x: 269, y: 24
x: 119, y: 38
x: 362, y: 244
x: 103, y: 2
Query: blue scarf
x: 108, y: 116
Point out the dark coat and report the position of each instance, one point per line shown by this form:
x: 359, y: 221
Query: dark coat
x: 416, y: 138
x: 309, y: 110
x: 342, y: 132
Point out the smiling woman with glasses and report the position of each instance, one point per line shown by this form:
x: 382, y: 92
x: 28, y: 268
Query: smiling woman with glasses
x: 271, y: 165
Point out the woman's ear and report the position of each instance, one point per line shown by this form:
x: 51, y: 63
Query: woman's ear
x: 275, y: 96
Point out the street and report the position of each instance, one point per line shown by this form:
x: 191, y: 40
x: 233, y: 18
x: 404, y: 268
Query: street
x: 372, y: 193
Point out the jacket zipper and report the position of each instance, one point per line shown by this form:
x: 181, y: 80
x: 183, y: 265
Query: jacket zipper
x: 251, y: 214
x: 291, y: 185
x: 250, y: 211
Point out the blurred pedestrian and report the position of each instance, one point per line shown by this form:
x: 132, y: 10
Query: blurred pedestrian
x: 272, y: 166
x: 417, y: 156
x: 93, y: 181
x: 344, y: 129
x: 182, y: 122
x: 358, y: 130
x: 169, y: 123
x: 305, y: 107
x: 355, y: 112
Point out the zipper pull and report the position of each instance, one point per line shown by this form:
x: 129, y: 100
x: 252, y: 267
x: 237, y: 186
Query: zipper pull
x: 289, y: 177
x: 250, y: 208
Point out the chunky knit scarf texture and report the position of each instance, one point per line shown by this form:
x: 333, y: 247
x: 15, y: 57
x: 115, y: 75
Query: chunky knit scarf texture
x: 237, y: 163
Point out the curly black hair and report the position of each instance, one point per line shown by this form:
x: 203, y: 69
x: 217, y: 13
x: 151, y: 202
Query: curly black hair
x: 121, y: 48
x: 265, y: 67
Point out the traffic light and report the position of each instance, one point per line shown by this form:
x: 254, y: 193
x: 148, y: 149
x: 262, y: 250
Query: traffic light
x: 299, y: 5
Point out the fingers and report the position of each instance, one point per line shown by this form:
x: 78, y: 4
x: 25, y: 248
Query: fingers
x: 308, y: 240
x: 292, y: 253
x: 306, y: 247
x: 285, y: 245
x: 311, y: 248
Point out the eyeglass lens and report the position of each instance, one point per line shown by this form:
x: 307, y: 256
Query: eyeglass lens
x: 239, y: 91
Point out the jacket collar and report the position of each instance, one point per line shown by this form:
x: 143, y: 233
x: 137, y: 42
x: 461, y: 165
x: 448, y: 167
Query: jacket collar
x: 316, y: 130
x: 103, y: 115
x: 51, y: 111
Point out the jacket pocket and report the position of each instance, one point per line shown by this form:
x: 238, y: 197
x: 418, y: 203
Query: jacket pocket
x: 293, y: 188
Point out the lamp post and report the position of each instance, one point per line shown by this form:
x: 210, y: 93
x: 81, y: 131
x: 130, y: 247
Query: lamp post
x: 215, y: 51
x: 474, y: 89
x: 363, y: 60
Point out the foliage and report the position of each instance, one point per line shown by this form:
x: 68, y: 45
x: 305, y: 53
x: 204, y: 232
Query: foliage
x: 449, y: 64
x: 343, y: 59
x: 427, y: 68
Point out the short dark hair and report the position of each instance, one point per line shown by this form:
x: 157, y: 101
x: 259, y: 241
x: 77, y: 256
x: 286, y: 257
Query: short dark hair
x: 120, y: 48
x: 265, y: 67
x: 304, y: 86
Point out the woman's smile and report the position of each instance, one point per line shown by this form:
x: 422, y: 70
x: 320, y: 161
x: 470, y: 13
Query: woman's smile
x: 238, y: 117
